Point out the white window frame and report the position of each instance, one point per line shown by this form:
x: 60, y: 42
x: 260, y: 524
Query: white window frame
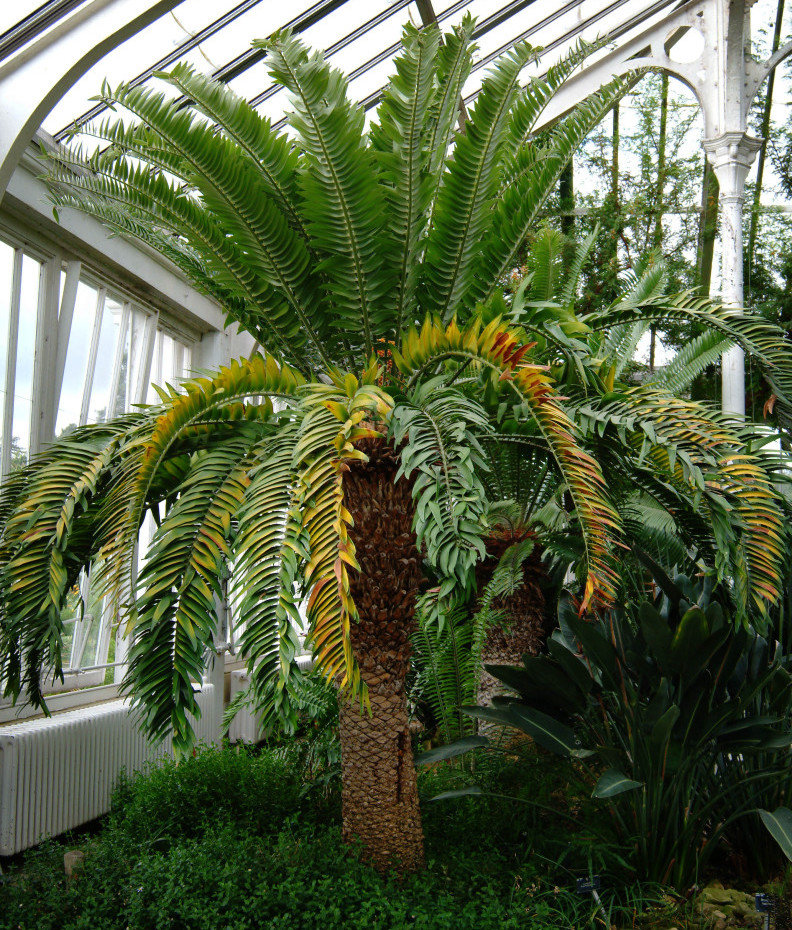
x: 60, y: 277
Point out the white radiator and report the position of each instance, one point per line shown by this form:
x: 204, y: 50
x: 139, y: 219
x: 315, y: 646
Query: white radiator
x: 246, y: 726
x: 59, y: 772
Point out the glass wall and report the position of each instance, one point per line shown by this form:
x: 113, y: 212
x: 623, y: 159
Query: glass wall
x: 74, y: 351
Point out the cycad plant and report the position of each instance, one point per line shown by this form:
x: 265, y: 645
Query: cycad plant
x: 669, y: 464
x: 687, y: 486
x: 321, y: 471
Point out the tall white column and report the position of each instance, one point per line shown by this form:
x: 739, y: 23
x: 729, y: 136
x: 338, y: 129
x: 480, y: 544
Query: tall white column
x: 731, y: 155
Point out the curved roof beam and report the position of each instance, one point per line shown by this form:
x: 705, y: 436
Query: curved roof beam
x: 766, y: 67
x: 38, y: 75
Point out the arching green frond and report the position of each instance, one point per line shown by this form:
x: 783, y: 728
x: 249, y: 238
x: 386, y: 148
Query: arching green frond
x: 540, y: 91
x: 656, y: 531
x: 173, y: 622
x: 529, y: 179
x: 194, y: 401
x: 520, y: 470
x: 619, y: 346
x: 130, y: 198
x: 271, y: 549
x: 546, y: 251
x: 273, y: 153
x: 464, y: 202
x: 435, y: 427
x: 765, y: 341
x: 453, y: 67
x: 642, y: 476
x: 698, y: 452
x: 642, y: 285
x: 344, y: 204
x: 403, y: 155
x: 241, y: 201
x: 573, y: 272
x: 496, y: 349
x: 443, y: 659
x: 690, y: 361
x: 115, y: 140
x: 44, y: 547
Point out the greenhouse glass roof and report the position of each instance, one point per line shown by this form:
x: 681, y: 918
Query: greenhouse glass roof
x: 360, y: 37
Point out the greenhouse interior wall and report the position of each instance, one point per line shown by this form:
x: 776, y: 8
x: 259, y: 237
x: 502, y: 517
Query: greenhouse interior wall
x: 90, y: 320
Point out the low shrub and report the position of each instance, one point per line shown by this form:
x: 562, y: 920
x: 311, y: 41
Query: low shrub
x: 257, y: 791
x: 232, y: 840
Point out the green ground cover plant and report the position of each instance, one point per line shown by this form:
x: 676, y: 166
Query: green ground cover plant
x: 231, y: 839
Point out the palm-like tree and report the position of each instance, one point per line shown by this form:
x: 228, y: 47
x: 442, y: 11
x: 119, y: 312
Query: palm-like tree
x: 669, y: 464
x: 324, y: 469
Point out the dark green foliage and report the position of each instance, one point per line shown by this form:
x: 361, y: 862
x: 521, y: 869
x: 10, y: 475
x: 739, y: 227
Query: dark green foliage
x: 223, y: 840
x: 213, y: 786
x: 672, y: 702
x: 449, y: 642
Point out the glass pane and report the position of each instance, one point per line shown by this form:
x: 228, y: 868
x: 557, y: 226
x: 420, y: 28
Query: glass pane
x: 186, y: 371
x: 108, y: 340
x: 156, y: 369
x: 26, y: 347
x: 138, y: 326
x: 76, y: 359
x: 123, y: 63
x: 167, y: 359
x: 6, y: 279
x: 119, y: 387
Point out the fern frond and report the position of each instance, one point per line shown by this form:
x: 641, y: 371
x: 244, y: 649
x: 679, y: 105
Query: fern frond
x: 403, y: 154
x: 43, y: 548
x: 454, y: 61
x: 129, y: 197
x: 275, y: 157
x: 173, y: 622
x: 765, y: 341
x: 499, y: 350
x: 442, y: 655
x: 272, y: 548
x: 688, y: 363
x: 700, y: 453
x: 529, y: 179
x: 240, y: 199
x: 506, y: 579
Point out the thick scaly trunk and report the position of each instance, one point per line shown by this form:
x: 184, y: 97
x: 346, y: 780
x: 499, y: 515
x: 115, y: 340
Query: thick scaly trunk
x: 379, y: 787
x: 525, y: 629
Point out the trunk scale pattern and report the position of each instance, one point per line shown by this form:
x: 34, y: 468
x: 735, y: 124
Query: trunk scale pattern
x: 379, y: 787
